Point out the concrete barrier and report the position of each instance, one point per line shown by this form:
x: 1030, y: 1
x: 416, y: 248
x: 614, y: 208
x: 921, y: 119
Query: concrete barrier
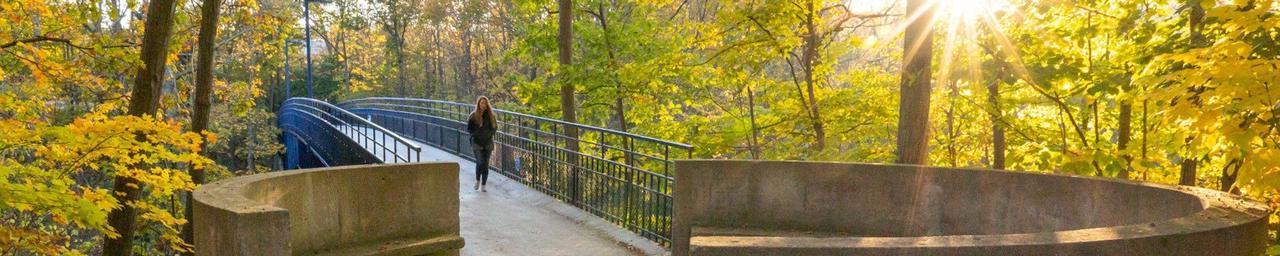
x: 816, y: 208
x: 392, y: 209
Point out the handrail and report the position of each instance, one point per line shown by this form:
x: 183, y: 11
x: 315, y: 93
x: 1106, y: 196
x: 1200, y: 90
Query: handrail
x: 541, y: 143
x: 344, y: 138
x: 507, y: 112
x: 622, y: 177
x: 539, y: 132
x: 296, y: 122
x: 363, y: 121
x: 314, y: 153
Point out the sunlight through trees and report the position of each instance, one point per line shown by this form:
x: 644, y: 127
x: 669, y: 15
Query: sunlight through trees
x: 1168, y: 91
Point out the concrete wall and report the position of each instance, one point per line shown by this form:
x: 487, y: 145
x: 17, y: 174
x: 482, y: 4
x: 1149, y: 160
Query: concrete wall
x: 785, y: 208
x: 394, y: 209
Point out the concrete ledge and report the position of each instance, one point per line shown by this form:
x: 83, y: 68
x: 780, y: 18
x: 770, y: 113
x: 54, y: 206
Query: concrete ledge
x: 808, y: 208
x: 395, y: 209
x: 440, y: 245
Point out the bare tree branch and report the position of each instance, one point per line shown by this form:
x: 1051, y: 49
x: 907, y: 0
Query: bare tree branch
x: 41, y: 39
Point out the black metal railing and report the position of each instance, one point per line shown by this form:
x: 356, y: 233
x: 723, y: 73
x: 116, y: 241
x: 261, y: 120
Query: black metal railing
x: 622, y: 177
x: 338, y: 137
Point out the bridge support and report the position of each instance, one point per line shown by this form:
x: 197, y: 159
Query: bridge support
x: 291, y: 152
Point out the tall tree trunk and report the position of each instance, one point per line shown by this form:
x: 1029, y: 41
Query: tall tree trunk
x: 619, y: 105
x: 619, y: 114
x: 1125, y: 132
x: 809, y: 58
x: 145, y: 100
x: 568, y: 111
x: 342, y: 44
x: 438, y: 54
x: 200, y: 110
x: 1195, y: 23
x: 1146, y: 129
x: 565, y: 45
x: 755, y: 130
x: 951, y: 123
x: 913, y: 102
x: 404, y: 87
x: 998, y: 146
x: 428, y: 75
x: 468, y: 77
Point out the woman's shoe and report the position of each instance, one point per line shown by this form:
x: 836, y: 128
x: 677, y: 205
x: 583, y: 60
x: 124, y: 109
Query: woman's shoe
x: 477, y: 187
x: 482, y: 189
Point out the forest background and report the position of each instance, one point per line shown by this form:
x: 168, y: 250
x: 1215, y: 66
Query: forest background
x: 1175, y: 92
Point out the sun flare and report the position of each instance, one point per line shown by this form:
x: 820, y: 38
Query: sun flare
x: 966, y: 24
x: 969, y: 10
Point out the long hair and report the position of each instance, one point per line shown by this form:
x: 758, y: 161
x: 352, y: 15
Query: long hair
x: 487, y: 116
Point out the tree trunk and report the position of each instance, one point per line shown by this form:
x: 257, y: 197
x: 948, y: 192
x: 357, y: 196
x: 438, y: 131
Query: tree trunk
x: 620, y: 108
x: 913, y: 102
x: 1146, y: 129
x: 755, y: 130
x: 438, y: 54
x: 998, y: 146
x: 1125, y: 131
x: 341, y: 44
x: 404, y: 88
x: 1230, y: 172
x: 619, y: 114
x: 1195, y: 22
x: 1188, y: 174
x: 568, y: 111
x: 200, y: 110
x: 951, y: 123
x: 144, y: 101
x: 809, y: 58
x: 565, y: 45
x: 468, y: 77
x: 428, y: 75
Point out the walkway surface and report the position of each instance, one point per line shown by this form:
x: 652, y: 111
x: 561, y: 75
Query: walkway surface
x: 513, y: 219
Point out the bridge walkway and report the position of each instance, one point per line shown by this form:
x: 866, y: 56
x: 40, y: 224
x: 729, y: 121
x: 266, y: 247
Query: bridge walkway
x: 513, y: 219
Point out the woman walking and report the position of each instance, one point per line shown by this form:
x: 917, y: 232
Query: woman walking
x: 482, y: 125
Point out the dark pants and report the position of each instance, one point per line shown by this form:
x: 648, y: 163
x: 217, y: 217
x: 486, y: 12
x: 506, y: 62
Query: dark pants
x: 482, y: 163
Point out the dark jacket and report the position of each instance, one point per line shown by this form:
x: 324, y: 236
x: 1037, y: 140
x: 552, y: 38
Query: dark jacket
x: 481, y: 131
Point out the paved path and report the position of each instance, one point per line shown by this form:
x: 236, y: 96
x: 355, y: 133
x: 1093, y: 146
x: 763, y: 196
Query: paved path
x: 513, y: 219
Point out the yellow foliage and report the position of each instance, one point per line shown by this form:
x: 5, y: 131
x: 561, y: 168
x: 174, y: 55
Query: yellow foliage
x: 151, y: 151
x: 1224, y: 96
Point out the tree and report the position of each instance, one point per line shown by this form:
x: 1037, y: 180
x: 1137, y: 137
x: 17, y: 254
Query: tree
x: 200, y: 110
x: 1223, y: 92
x: 1195, y: 24
x: 564, y: 41
x: 568, y: 107
x: 998, y: 146
x: 394, y: 18
x: 913, y: 104
x: 144, y: 101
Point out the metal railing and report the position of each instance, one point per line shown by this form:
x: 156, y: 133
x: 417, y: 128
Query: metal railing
x: 338, y: 137
x: 622, y: 177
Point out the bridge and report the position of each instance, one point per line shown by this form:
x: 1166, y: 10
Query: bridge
x: 612, y: 196
x: 390, y: 176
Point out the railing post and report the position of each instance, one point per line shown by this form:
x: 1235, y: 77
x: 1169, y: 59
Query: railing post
x: 576, y: 178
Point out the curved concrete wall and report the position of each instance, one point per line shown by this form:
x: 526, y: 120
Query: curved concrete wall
x: 394, y: 209
x: 749, y: 207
